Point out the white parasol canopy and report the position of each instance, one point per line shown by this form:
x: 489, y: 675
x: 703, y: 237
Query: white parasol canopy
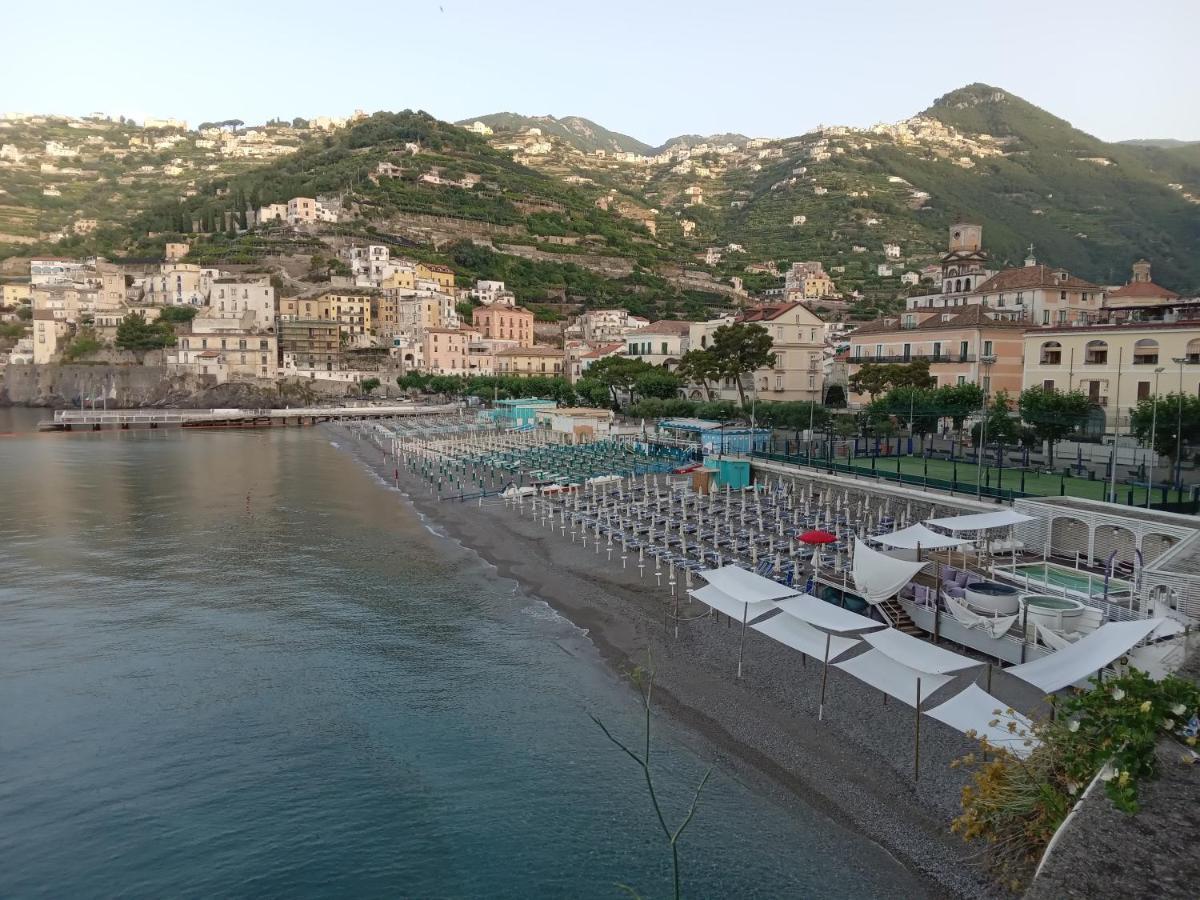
x: 878, y: 576
x: 1085, y: 657
x: 826, y: 616
x: 745, y: 586
x: 1001, y: 518
x: 974, y: 709
x: 918, y: 654
x: 918, y: 535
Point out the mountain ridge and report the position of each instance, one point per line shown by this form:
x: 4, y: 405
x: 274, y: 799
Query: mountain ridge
x: 583, y: 134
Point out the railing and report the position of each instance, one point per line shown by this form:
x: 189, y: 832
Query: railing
x: 913, y: 357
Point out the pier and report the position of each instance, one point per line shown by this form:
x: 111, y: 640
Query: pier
x: 125, y: 419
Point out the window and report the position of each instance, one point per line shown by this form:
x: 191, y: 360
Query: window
x: 1048, y: 384
x: 962, y: 379
x: 664, y: 348
x: 1062, y: 295
x: 1051, y: 354
x: 907, y: 352
x: 1095, y: 353
x: 1143, y: 390
x: 1062, y: 317
x: 858, y: 351
x: 1145, y: 352
x: 987, y: 348
x: 964, y: 350
x: 878, y: 350
x: 1045, y: 317
x: 937, y: 349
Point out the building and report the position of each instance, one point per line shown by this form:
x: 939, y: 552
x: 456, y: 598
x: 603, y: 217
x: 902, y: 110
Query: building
x: 225, y: 349
x: 972, y: 345
x: 580, y: 423
x: 445, y: 351
x: 807, y: 281
x: 491, y: 293
x: 798, y: 342
x: 1116, y: 365
x: 580, y: 355
x: 49, y: 335
x: 175, y: 284
x: 537, y: 360
x: 272, y: 212
x: 442, y: 275
x: 504, y: 323
x: 235, y: 298
x: 350, y: 309
x: 601, y: 326
x: 660, y: 343
x: 56, y: 270
x: 309, y: 345
x: 301, y: 211
x: 175, y: 250
x: 1139, y: 293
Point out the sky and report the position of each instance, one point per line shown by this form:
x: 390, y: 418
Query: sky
x: 651, y: 68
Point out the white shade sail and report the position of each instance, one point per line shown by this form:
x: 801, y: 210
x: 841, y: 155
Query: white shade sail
x: 878, y: 576
x: 916, y: 653
x: 791, y: 632
x: 732, y: 607
x: 975, y: 709
x: 826, y: 616
x: 895, y: 679
x: 745, y: 586
x: 1085, y: 657
x: 918, y: 535
x: 1001, y: 518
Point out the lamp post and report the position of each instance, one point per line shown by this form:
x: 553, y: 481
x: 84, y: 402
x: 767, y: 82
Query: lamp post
x: 986, y: 362
x: 1112, y: 494
x: 1153, y: 435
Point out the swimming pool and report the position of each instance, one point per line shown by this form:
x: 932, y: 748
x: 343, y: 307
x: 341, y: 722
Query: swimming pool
x: 1051, y: 575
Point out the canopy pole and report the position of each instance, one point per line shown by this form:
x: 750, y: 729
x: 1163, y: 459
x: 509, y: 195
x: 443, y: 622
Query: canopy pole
x: 917, y: 739
x: 824, y: 676
x: 742, y: 637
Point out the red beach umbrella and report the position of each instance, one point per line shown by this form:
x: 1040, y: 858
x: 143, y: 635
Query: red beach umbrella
x: 817, y: 536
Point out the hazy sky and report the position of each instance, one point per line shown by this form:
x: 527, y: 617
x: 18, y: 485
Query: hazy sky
x: 650, y: 68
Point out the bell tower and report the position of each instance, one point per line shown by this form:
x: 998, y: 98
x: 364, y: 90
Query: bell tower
x: 966, y: 238
x: 1141, y: 272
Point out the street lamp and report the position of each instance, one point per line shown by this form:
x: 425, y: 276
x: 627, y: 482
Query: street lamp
x: 986, y: 362
x: 1153, y: 435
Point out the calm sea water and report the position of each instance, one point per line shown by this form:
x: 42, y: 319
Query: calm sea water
x: 235, y: 664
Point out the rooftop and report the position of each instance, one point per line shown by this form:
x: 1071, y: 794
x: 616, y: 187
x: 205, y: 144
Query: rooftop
x: 1036, y: 276
x: 665, y: 326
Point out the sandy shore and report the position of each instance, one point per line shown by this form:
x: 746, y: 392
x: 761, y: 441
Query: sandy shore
x: 856, y: 765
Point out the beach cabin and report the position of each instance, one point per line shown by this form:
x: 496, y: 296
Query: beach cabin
x: 519, y: 413
x: 715, y: 438
x: 581, y: 423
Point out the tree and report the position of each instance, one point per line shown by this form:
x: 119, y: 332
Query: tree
x: 177, y: 315
x: 741, y: 348
x: 1002, y: 426
x: 85, y: 344
x: 658, y: 383
x: 135, y: 333
x: 369, y: 384
x: 644, y: 680
x: 1053, y: 414
x: 1173, y: 410
x: 957, y: 401
x: 592, y: 391
x: 618, y: 373
x: 878, y: 378
x: 700, y: 367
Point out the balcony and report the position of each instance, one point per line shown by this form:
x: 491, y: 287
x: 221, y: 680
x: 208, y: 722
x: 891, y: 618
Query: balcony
x: 913, y: 357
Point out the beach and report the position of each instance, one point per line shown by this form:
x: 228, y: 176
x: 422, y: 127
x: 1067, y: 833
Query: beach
x: 856, y: 765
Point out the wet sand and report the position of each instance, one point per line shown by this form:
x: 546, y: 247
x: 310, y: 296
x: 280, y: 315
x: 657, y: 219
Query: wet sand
x: 856, y: 766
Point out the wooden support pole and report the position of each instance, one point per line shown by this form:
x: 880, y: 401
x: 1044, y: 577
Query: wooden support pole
x: 742, y: 637
x: 917, y: 738
x: 824, y: 676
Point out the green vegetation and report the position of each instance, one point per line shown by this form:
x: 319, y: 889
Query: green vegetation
x: 582, y: 134
x: 1111, y: 731
x: 135, y: 333
x: 368, y: 385
x: 876, y: 378
x: 741, y: 349
x: 1173, y: 411
x: 1052, y: 414
x: 177, y: 315
x: 85, y: 344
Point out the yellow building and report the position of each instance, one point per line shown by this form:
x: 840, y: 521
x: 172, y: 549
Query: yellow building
x: 443, y: 275
x: 537, y: 360
x: 1116, y: 366
x: 351, y: 309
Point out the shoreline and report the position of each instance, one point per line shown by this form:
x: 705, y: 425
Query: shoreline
x: 855, y: 767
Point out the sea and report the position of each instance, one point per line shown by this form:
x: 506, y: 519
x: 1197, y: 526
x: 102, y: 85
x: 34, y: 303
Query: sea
x: 236, y: 664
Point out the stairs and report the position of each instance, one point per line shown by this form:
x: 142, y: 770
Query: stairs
x: 894, y: 615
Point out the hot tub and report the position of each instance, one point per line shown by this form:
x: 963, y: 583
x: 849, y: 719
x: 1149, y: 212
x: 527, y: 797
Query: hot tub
x: 1060, y: 614
x: 992, y: 598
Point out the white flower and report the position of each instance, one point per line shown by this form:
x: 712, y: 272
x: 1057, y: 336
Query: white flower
x: 1179, y: 709
x: 1145, y: 707
x: 1073, y: 788
x: 1168, y: 723
x: 1118, y: 694
x: 1074, y: 726
x: 1108, y: 773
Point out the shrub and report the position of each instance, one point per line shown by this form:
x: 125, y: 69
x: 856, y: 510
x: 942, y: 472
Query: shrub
x: 1111, y: 730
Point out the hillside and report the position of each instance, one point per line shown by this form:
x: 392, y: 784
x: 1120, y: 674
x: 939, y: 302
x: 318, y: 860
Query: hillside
x: 63, y: 177
x: 692, y: 140
x: 582, y: 134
